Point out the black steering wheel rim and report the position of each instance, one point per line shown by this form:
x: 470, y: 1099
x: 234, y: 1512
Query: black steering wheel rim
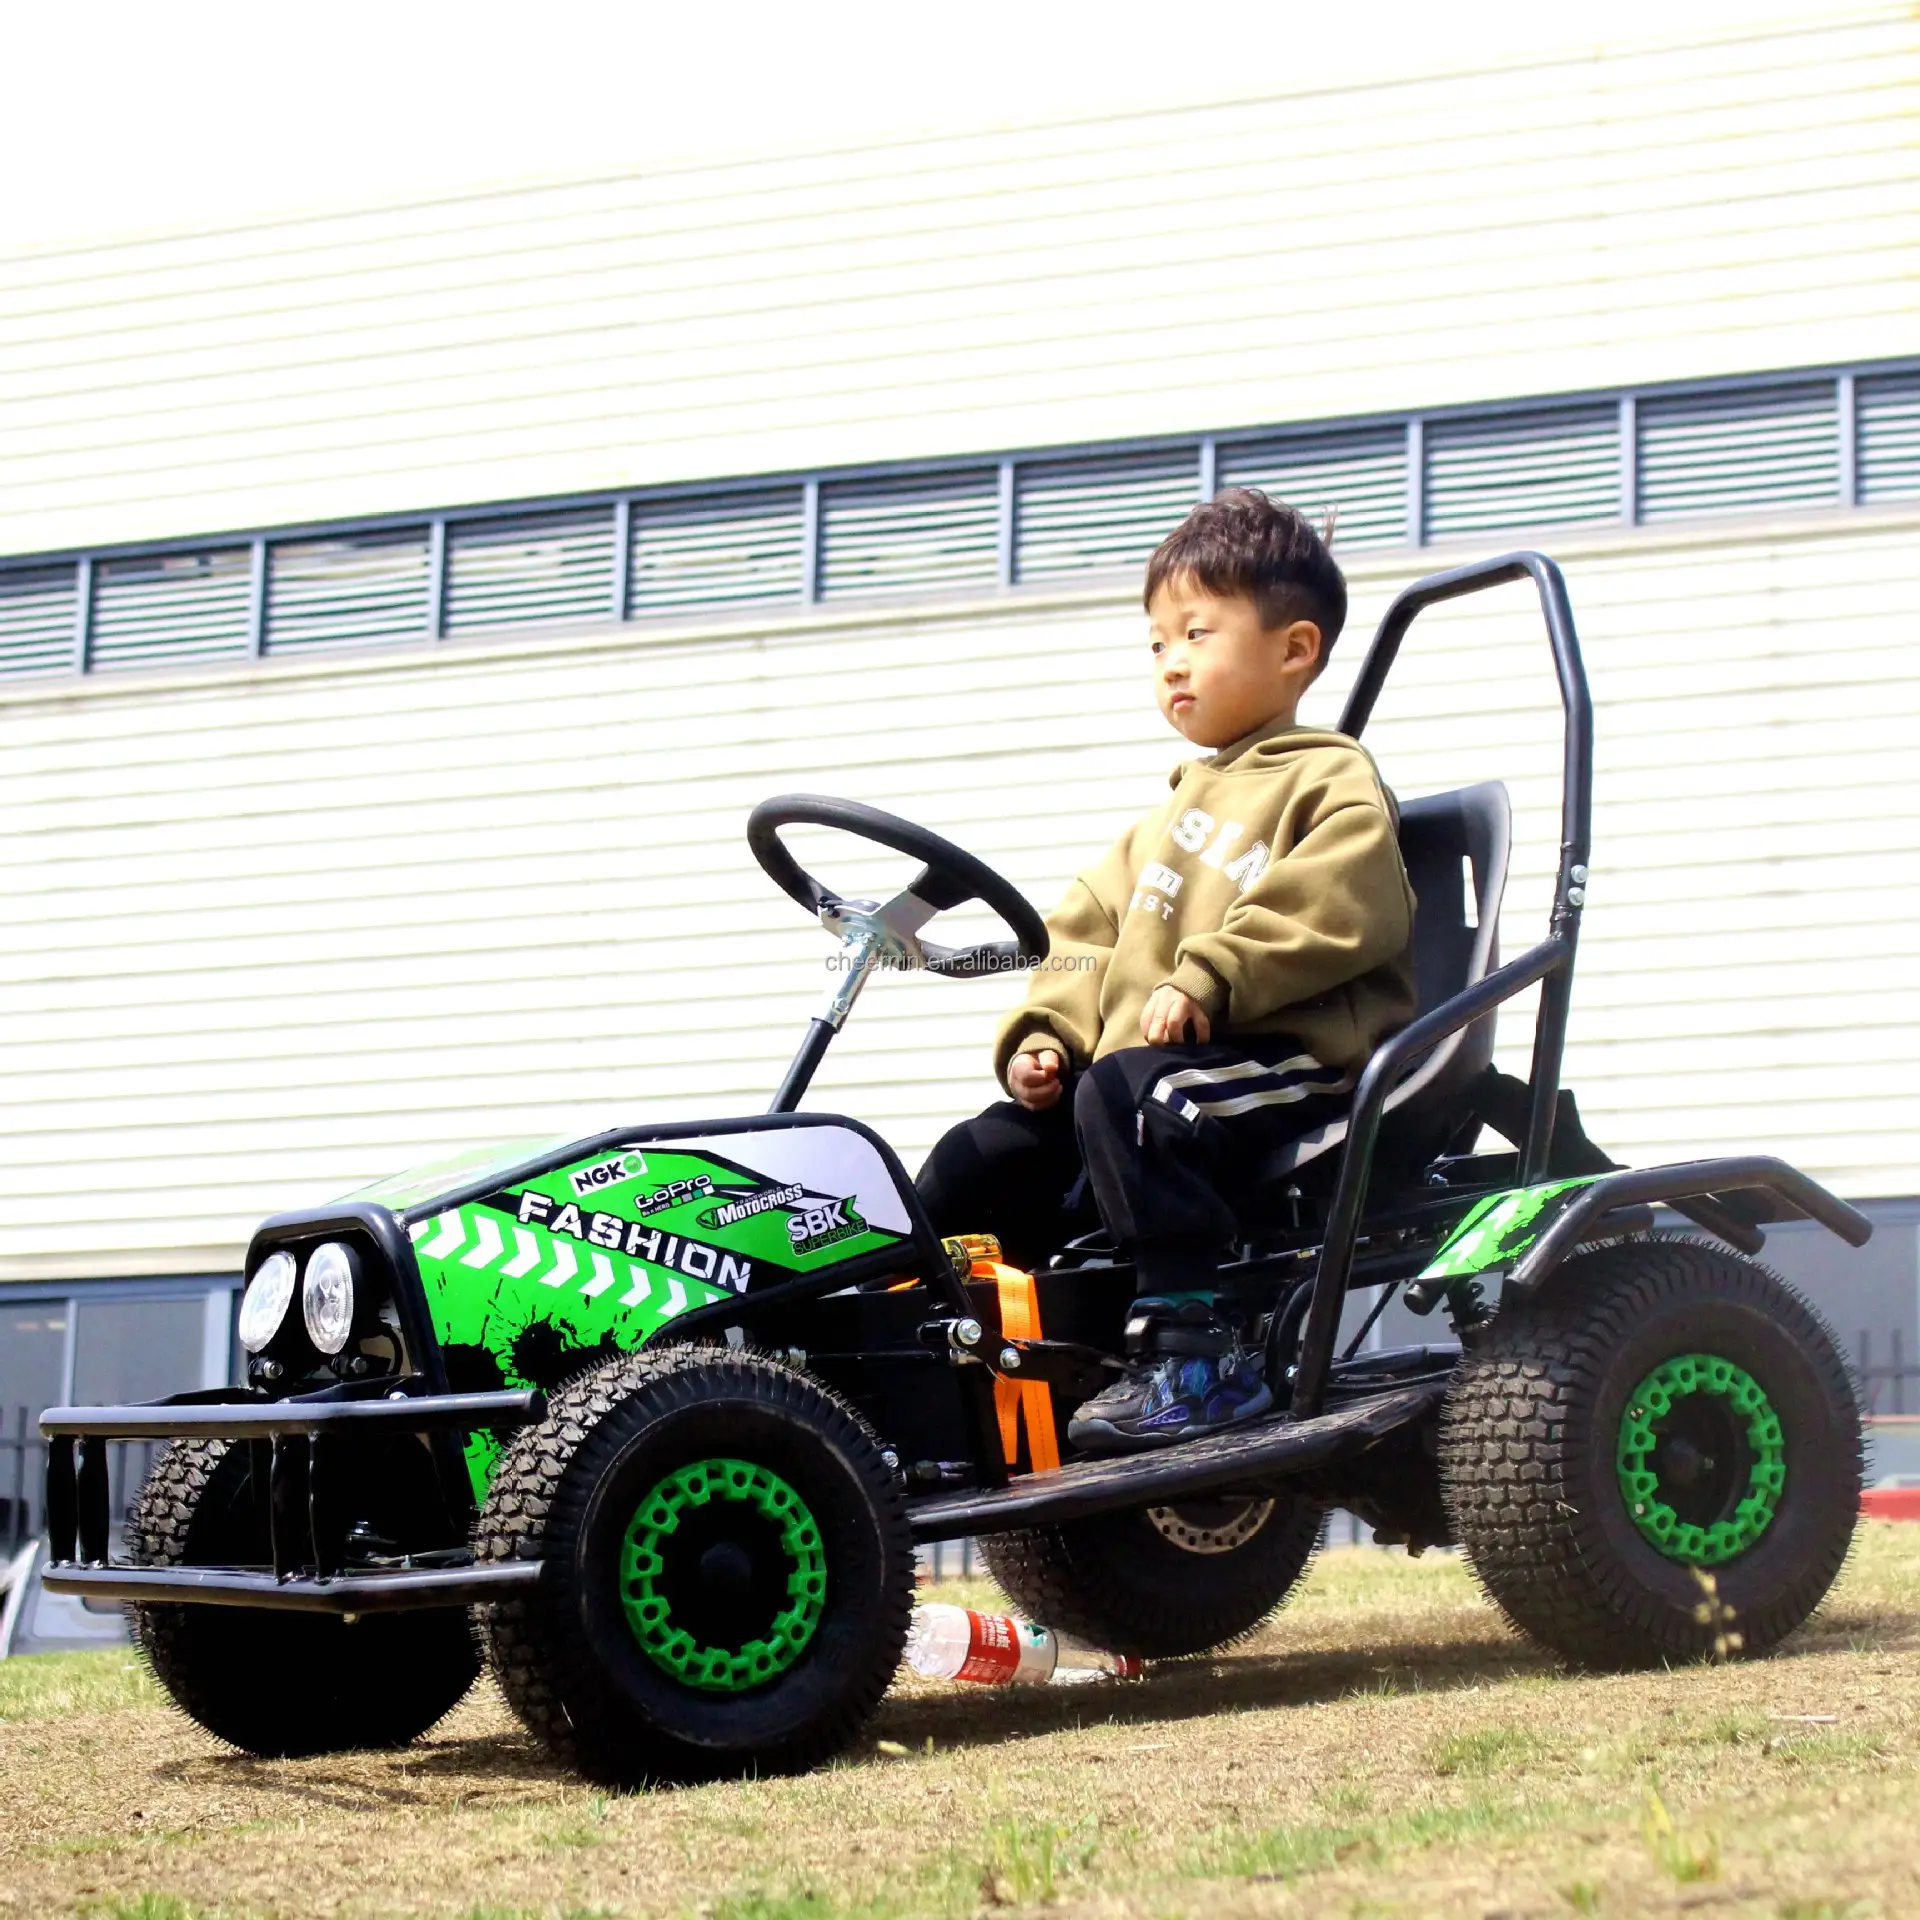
x: 949, y: 875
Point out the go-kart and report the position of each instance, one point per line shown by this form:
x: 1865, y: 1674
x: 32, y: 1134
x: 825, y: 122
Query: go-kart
x: 663, y: 1413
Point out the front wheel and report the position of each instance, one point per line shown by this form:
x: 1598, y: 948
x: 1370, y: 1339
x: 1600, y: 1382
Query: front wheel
x: 1164, y: 1581
x: 729, y: 1570
x: 279, y: 1683
x: 1656, y: 1458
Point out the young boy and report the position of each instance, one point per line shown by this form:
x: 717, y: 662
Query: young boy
x: 1228, y: 967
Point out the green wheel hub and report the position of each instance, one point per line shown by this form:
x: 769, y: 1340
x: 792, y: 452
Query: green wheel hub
x: 723, y: 1575
x: 1701, y: 1459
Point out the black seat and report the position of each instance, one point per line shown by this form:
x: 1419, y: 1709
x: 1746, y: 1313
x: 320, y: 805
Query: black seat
x: 1456, y: 847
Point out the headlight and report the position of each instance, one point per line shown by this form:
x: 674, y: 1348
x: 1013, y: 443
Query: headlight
x: 264, y: 1304
x: 326, y: 1298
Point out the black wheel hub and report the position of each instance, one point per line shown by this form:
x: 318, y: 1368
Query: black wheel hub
x: 724, y: 1573
x: 1703, y: 1462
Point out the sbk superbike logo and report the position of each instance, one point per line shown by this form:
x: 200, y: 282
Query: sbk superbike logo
x: 822, y: 1223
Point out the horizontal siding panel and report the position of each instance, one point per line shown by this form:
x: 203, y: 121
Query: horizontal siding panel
x: 911, y: 535
x: 1623, y: 215
x: 37, y: 610
x: 172, y: 609
x: 1360, y: 478
x: 530, y: 570
x: 1098, y: 515
x: 350, y: 591
x: 271, y: 937
x: 1545, y: 469
x: 1740, y: 452
x: 716, y: 551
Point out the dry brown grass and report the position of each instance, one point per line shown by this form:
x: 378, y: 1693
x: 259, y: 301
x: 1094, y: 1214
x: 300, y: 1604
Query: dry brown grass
x: 1385, y: 1748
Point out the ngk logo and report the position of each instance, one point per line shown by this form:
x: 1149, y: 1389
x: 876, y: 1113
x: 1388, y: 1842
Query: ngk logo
x: 603, y: 1174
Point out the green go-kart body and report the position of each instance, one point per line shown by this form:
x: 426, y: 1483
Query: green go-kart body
x: 668, y: 1408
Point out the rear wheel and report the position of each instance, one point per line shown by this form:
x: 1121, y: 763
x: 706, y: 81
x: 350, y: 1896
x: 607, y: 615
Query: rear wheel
x: 1657, y: 1458
x: 728, y: 1570
x: 278, y: 1683
x: 1163, y: 1581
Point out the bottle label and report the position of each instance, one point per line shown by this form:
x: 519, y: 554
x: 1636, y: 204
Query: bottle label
x: 1002, y: 1650
x: 993, y: 1650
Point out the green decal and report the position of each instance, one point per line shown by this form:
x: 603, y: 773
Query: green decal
x: 1498, y: 1230
x: 596, y: 1255
x: 723, y: 1575
x: 1701, y: 1459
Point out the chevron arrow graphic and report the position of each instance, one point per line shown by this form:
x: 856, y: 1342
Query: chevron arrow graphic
x: 602, y: 1277
x: 488, y: 1249
x: 526, y: 1255
x: 450, y: 1239
x: 638, y: 1292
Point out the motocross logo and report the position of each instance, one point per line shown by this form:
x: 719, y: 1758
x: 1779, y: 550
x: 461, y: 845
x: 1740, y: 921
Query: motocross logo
x: 734, y: 1211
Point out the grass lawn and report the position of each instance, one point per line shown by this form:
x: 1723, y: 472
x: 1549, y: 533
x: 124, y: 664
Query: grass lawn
x: 1385, y: 1747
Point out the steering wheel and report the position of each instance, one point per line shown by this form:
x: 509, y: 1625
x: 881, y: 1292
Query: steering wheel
x: 949, y: 878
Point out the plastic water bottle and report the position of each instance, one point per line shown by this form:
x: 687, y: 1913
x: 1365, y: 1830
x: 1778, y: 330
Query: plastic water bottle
x: 998, y: 1650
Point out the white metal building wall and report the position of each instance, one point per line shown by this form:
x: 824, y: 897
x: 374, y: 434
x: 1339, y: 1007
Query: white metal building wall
x: 1704, y: 208
x: 271, y: 932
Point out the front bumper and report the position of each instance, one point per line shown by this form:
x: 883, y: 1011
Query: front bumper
x: 307, y: 1514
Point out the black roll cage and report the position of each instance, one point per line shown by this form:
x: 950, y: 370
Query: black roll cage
x: 1550, y: 963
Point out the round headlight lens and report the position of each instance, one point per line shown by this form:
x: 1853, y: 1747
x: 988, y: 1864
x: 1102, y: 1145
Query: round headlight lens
x: 264, y: 1304
x: 326, y: 1297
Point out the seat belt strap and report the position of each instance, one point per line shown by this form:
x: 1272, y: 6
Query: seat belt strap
x: 1020, y: 1320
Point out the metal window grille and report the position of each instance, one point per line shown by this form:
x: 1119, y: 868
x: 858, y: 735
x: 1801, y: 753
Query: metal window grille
x: 1770, y: 442
x: 716, y: 550
x: 1359, y: 477
x: 530, y: 569
x: 37, y: 610
x: 1888, y: 415
x: 165, y: 609
x: 918, y: 535
x: 353, y: 591
x: 1099, y: 515
x: 1543, y: 469
x: 1739, y: 451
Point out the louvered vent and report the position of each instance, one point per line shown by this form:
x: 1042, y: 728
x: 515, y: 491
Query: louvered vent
x: 1888, y: 416
x: 1738, y: 452
x: 1547, y: 469
x: 530, y: 570
x: 1361, y: 476
x: 351, y: 592
x: 919, y: 535
x: 36, y: 620
x: 163, y: 609
x: 720, y: 550
x: 1096, y: 516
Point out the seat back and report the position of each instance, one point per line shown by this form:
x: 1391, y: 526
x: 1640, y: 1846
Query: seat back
x: 1455, y: 846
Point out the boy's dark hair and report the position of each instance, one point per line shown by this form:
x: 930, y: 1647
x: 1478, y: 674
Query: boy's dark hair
x: 1242, y: 542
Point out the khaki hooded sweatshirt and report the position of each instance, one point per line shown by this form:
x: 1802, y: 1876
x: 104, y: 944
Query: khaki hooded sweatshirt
x: 1269, y: 887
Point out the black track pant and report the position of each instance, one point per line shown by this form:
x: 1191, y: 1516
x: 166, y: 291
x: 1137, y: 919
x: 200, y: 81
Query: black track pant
x: 1154, y: 1143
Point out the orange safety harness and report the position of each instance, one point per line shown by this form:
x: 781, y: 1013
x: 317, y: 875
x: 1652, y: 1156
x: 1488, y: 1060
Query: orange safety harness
x: 1020, y: 1320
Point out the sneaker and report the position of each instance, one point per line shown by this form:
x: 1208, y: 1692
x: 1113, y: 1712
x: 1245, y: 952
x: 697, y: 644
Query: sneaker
x: 1172, y: 1397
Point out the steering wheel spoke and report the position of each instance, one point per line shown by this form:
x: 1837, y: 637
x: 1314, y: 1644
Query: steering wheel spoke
x: 949, y: 877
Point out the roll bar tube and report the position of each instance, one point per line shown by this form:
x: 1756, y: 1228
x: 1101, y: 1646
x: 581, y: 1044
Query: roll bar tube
x: 1550, y: 963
